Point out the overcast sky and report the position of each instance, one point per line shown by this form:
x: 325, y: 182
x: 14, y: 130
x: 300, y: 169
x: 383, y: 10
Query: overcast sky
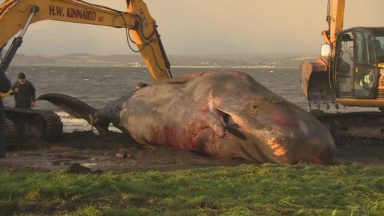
x: 209, y: 27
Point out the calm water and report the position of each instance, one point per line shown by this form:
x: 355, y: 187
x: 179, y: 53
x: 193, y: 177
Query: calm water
x: 99, y: 86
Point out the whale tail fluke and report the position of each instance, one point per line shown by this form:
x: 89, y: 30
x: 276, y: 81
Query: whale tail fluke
x: 76, y: 108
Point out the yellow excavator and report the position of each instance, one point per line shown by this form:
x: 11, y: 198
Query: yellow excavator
x: 350, y: 72
x: 17, y: 15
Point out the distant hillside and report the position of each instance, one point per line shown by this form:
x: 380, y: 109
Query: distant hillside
x: 88, y: 60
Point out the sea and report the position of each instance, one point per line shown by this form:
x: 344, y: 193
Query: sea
x: 98, y: 86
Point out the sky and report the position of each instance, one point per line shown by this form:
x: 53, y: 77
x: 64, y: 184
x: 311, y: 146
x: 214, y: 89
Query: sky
x: 208, y: 27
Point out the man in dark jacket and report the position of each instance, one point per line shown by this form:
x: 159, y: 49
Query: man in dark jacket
x: 5, y: 84
x: 23, y: 91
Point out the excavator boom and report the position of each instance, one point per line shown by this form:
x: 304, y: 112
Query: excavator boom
x: 335, y: 19
x: 14, y: 15
x: 315, y: 76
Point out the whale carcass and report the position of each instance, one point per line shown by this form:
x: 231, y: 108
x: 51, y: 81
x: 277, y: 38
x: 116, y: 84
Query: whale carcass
x: 220, y: 114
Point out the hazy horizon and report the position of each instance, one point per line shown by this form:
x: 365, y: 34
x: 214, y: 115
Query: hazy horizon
x: 214, y: 27
x: 249, y: 54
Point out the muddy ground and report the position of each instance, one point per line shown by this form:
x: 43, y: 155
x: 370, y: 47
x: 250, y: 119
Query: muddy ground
x: 117, y: 152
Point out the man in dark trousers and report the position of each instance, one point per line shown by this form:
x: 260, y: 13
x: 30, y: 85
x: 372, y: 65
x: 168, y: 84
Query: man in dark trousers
x: 5, y: 84
x: 23, y: 91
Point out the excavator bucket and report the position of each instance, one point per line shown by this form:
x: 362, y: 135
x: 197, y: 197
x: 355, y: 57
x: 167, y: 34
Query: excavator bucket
x: 315, y: 83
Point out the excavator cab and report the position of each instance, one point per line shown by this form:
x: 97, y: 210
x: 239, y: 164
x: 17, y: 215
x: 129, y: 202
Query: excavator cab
x: 350, y: 73
x: 357, y: 66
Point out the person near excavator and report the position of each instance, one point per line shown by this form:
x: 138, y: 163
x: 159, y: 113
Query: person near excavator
x: 5, y: 85
x: 23, y: 92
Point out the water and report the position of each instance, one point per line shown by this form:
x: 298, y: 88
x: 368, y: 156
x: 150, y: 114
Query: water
x: 98, y: 86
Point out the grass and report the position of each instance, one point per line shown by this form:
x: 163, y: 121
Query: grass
x: 244, y: 190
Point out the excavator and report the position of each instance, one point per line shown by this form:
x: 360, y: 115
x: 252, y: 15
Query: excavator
x: 17, y: 15
x: 349, y: 73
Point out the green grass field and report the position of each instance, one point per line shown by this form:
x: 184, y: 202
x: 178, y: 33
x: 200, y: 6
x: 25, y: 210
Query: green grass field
x: 243, y: 190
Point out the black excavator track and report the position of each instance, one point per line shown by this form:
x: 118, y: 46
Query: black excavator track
x: 30, y: 123
x: 354, y: 127
x: 10, y: 132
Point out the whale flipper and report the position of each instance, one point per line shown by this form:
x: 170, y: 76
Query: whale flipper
x: 72, y: 106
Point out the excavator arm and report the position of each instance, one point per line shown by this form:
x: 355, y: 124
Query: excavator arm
x: 316, y: 77
x: 17, y: 15
x: 335, y: 19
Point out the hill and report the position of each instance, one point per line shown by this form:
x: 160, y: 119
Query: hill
x: 89, y: 60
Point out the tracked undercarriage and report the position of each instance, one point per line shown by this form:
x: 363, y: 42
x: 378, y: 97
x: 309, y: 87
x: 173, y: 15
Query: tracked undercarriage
x: 24, y: 124
x: 360, y: 127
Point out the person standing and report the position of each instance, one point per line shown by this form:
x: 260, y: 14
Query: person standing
x: 23, y: 92
x: 5, y: 85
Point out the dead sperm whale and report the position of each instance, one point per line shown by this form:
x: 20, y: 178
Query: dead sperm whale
x: 221, y: 114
